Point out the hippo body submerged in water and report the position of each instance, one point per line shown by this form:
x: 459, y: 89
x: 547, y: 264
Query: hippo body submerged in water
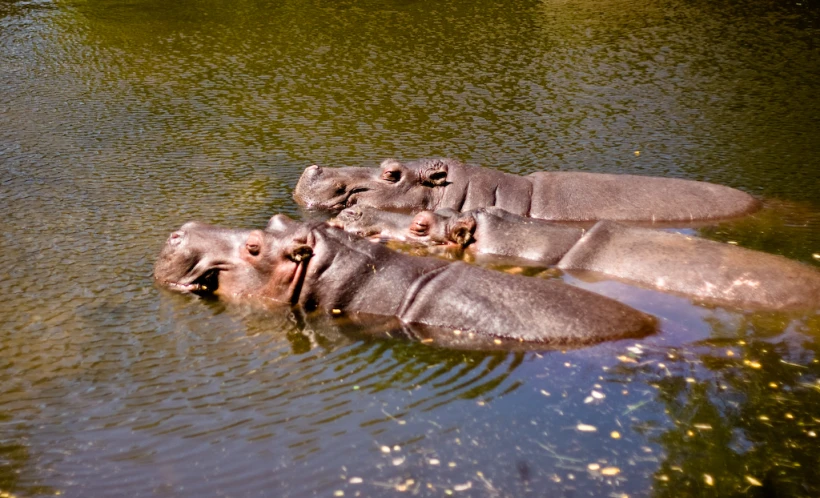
x: 433, y: 184
x: 317, y: 267
x: 671, y: 262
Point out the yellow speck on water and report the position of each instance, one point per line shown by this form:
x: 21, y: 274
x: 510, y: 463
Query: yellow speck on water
x: 709, y: 480
x: 763, y: 418
x: 457, y: 332
x: 816, y: 256
x: 451, y: 464
x: 703, y: 427
x: 497, y: 341
x: 732, y: 242
x: 338, y: 492
x: 626, y: 359
x: 448, y: 492
x: 433, y: 461
x: 610, y: 471
x: 586, y: 428
x: 425, y: 341
x: 336, y: 311
x: 789, y: 416
x: 754, y: 482
x: 463, y: 487
x: 691, y: 380
x: 690, y: 433
x: 615, y: 435
x: 356, y: 480
x: 729, y: 352
x: 385, y: 449
x: 593, y: 466
x: 637, y: 153
x: 773, y: 385
x: 545, y: 393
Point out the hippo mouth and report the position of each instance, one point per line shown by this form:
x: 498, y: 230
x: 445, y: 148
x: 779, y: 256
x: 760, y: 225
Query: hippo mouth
x: 205, y: 284
x: 346, y: 199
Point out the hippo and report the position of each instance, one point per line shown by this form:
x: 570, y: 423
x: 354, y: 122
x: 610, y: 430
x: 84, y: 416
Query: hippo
x: 432, y: 184
x: 484, y: 231
x: 319, y: 268
x: 670, y: 262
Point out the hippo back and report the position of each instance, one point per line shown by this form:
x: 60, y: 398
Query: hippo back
x: 584, y: 196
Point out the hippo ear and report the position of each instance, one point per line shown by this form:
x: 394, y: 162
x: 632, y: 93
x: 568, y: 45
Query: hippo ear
x: 462, y: 230
x: 298, y: 252
x: 392, y: 170
x: 435, y: 174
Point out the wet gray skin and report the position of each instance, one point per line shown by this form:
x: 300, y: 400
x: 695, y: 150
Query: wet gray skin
x: 432, y: 184
x: 318, y: 267
x: 708, y: 270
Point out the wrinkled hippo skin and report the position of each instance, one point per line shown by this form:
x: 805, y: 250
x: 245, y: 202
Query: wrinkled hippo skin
x: 318, y: 267
x: 671, y: 262
x: 433, y: 184
x: 692, y: 266
x: 490, y: 231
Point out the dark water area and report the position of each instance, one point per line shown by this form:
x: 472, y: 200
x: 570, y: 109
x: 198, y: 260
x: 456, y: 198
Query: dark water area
x: 121, y: 120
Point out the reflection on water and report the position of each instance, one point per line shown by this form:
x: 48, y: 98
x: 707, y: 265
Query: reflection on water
x: 119, y: 121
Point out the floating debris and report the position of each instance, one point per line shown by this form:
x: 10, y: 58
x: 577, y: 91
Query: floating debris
x: 433, y: 461
x: 637, y: 153
x: 593, y: 466
x: 338, y: 492
x: 754, y: 482
x: 789, y: 416
x: 709, y: 480
x: 398, y: 461
x: 356, y: 480
x: 497, y: 341
x: 626, y: 359
x: 396, y: 448
x: 773, y: 385
x: 385, y: 449
x: 586, y: 428
x: 456, y: 332
x: 336, y: 311
x: 588, y: 399
x: 816, y: 256
x: 610, y: 471
x: 597, y: 395
x: 690, y: 380
x: 635, y: 349
x: 763, y: 418
x: 615, y: 435
x: 451, y: 464
x: 703, y: 427
x: 732, y: 242
x: 545, y: 393
x: 463, y: 487
x: 752, y: 364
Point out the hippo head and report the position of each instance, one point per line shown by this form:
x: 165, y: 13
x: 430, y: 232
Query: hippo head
x: 435, y: 228
x: 394, y: 186
x: 205, y: 259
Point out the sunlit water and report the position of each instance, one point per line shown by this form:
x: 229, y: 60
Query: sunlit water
x: 121, y: 120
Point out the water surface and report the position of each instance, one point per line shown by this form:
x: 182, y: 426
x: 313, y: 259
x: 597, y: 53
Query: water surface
x: 121, y: 120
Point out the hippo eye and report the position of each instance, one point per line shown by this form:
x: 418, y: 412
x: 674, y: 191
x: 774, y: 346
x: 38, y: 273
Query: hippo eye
x: 253, y: 248
x: 419, y: 228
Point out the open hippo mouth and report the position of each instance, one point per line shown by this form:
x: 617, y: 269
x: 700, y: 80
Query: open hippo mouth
x: 205, y: 284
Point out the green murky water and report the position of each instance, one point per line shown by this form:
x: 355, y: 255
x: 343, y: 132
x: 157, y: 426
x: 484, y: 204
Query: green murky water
x: 120, y: 120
